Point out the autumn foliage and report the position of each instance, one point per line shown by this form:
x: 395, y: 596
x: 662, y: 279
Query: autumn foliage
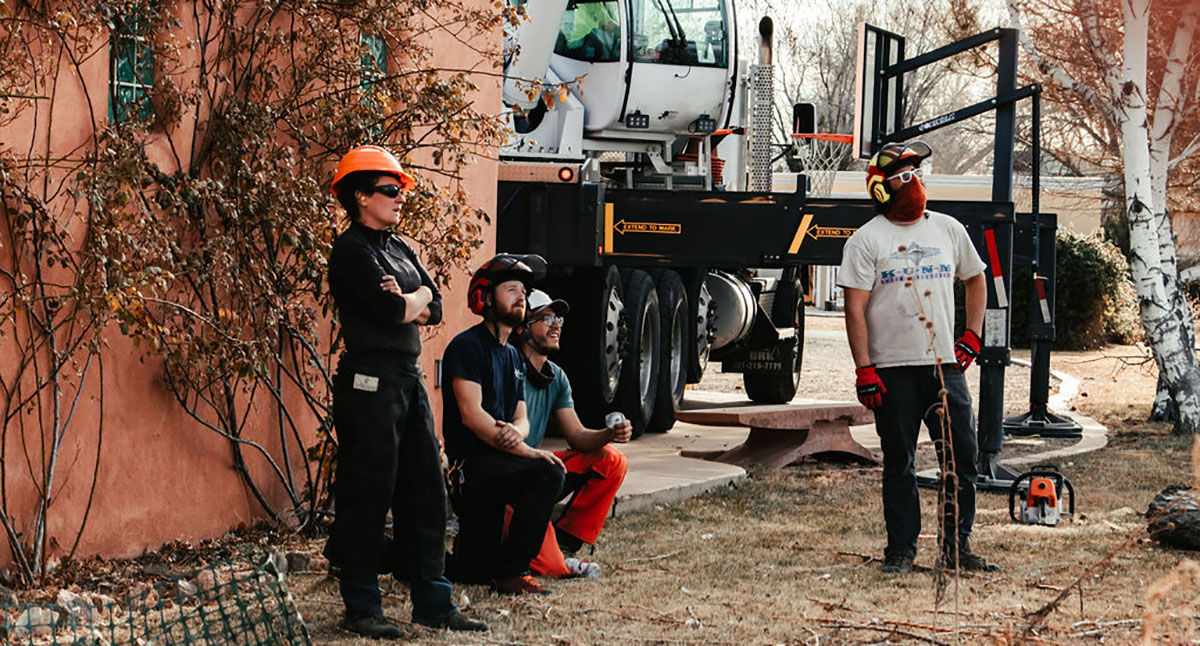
x: 199, y: 223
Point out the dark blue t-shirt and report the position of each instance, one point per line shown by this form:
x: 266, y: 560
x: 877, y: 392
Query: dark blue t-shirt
x: 476, y: 355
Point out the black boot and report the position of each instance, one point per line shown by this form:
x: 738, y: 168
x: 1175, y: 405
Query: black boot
x: 454, y: 621
x: 373, y: 626
x: 966, y: 560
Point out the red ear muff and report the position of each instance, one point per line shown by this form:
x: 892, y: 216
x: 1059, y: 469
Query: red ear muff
x: 477, y: 296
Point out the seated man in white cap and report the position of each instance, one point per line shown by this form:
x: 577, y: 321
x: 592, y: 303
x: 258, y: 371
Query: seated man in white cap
x: 595, y: 469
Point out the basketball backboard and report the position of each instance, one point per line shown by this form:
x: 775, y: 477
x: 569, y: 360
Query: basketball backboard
x: 879, y: 104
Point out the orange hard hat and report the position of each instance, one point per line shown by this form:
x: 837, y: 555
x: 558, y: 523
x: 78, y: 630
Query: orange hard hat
x: 372, y: 158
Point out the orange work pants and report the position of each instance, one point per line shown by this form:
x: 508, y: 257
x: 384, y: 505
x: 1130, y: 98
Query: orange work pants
x: 593, y: 478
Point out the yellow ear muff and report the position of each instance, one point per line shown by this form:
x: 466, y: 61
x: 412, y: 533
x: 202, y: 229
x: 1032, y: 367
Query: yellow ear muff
x: 875, y: 186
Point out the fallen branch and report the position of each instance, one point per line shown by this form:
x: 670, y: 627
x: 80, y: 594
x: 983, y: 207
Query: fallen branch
x: 1038, y: 616
x: 655, y: 558
x: 667, y: 619
x: 829, y: 605
x: 842, y: 624
x: 867, y: 558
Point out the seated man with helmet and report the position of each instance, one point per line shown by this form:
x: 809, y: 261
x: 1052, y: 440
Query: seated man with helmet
x: 595, y: 469
x: 484, y: 427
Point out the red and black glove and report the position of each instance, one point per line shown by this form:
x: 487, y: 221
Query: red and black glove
x: 966, y: 349
x: 870, y: 387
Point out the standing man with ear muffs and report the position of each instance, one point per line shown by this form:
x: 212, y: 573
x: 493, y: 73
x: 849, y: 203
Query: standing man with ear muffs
x: 898, y: 274
x: 485, y: 425
x: 388, y: 452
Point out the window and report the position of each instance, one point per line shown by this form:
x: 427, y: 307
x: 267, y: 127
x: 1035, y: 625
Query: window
x: 683, y: 32
x: 590, y: 31
x: 132, y: 67
x: 374, y: 60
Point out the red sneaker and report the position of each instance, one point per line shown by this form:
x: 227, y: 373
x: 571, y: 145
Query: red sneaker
x: 524, y: 584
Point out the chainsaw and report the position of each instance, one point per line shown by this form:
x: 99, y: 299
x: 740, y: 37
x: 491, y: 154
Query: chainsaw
x: 1041, y: 493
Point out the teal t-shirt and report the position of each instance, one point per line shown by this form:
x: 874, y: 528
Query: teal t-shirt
x: 540, y: 402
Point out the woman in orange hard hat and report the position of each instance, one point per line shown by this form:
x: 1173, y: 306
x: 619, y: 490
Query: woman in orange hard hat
x: 388, y: 452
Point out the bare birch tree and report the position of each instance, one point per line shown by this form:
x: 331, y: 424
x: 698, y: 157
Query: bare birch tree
x: 1128, y: 62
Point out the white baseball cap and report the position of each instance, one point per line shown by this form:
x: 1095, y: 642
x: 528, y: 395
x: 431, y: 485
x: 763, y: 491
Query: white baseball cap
x: 539, y: 300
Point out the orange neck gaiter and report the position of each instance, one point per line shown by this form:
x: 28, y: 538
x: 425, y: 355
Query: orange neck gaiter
x: 907, y: 204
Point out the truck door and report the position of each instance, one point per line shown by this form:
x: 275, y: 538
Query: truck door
x: 681, y: 60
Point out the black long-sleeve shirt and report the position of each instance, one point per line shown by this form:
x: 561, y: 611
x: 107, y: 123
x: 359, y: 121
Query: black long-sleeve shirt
x: 370, y: 317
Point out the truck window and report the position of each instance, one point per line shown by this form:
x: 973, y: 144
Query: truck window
x: 679, y: 32
x: 590, y: 31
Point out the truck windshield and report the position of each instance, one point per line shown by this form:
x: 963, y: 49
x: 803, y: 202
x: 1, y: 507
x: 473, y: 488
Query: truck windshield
x: 590, y: 31
x: 683, y: 32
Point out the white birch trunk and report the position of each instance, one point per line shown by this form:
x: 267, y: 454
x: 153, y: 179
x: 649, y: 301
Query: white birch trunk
x: 1168, y: 110
x: 1154, y: 274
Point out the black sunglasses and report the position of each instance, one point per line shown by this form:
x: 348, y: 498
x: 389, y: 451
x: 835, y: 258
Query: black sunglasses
x: 390, y: 190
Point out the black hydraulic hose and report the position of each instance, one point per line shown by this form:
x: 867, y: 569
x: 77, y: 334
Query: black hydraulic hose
x: 678, y: 25
x: 675, y: 35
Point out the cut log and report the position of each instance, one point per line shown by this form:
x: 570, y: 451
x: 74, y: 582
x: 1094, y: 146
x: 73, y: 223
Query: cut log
x: 1174, y: 518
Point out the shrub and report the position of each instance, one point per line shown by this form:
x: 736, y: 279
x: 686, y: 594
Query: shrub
x: 1095, y: 301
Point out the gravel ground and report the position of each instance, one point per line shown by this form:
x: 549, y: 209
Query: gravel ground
x: 827, y: 371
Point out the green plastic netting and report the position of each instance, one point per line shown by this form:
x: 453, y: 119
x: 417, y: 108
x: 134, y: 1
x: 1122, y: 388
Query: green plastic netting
x: 241, y: 601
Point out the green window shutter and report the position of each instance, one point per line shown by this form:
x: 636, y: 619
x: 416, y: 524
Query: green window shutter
x: 374, y: 59
x: 132, y: 67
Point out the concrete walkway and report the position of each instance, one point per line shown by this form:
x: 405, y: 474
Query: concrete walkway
x: 658, y: 474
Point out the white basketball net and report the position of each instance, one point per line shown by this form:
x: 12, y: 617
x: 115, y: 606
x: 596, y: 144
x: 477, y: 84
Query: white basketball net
x: 821, y: 159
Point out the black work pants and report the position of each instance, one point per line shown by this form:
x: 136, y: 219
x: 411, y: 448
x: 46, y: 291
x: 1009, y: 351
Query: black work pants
x: 388, y: 458
x: 912, y: 397
x: 493, y: 481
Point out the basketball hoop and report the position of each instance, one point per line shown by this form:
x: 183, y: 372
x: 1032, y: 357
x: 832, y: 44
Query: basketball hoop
x: 821, y: 154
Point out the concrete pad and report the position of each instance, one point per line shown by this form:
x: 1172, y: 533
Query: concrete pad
x: 658, y: 474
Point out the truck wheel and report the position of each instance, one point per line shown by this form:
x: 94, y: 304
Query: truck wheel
x: 639, y: 370
x: 789, y: 306
x: 705, y: 309
x: 672, y: 363
x: 593, y: 348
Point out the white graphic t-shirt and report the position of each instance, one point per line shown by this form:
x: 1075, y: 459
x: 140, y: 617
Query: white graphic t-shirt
x: 910, y: 271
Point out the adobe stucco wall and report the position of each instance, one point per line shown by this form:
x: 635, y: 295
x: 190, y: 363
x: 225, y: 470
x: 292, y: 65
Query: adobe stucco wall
x: 162, y: 476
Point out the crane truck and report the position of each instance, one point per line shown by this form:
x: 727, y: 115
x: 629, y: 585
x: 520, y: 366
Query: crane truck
x: 626, y: 169
x: 638, y: 165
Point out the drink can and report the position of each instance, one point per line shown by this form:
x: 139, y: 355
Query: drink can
x: 614, y: 419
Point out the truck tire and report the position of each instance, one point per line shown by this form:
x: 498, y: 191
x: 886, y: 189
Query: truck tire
x: 789, y: 306
x: 592, y: 349
x: 673, y: 351
x: 705, y: 311
x: 639, y: 369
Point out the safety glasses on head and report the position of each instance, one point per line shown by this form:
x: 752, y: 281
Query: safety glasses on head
x: 905, y: 176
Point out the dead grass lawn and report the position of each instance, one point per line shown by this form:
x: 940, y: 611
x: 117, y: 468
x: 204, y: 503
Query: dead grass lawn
x: 777, y: 560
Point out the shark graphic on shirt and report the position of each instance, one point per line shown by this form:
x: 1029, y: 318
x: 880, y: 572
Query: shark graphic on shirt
x: 914, y: 253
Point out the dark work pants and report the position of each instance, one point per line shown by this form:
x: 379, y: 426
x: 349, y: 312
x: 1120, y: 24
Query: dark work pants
x: 492, y: 481
x: 912, y: 397
x: 388, y: 458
